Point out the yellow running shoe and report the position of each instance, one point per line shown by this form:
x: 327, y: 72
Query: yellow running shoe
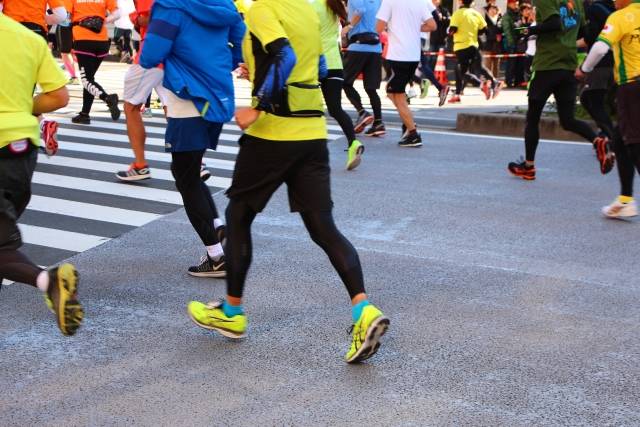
x: 366, y: 333
x: 211, y: 316
x: 62, y: 298
x: 354, y: 154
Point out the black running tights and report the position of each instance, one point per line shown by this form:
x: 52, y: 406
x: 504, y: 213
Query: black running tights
x: 627, y: 159
x: 595, y: 102
x: 356, y: 100
x: 565, y: 101
x: 322, y: 231
x: 197, y: 199
x: 90, y: 55
x: 15, y: 266
x: 332, y: 91
x: 470, y: 60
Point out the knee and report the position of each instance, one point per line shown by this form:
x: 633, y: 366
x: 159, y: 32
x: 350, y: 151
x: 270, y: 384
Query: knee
x: 130, y: 108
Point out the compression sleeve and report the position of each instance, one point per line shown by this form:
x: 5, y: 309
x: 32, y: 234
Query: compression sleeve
x: 551, y: 25
x: 113, y: 16
x: 323, y: 70
x: 282, y: 59
x: 597, y: 52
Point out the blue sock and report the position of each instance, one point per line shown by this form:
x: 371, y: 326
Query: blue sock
x: 356, y: 310
x: 231, y: 310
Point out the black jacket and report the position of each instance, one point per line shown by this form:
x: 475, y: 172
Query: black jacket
x: 442, y: 17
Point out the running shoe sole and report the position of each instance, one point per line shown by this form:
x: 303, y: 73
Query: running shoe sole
x: 224, y: 332
x: 606, y: 158
x: 525, y: 177
x: 376, y: 133
x: 359, y: 127
x: 133, y: 178
x: 371, y: 342
x: 443, y: 95
x: 358, y: 158
x: 214, y: 274
x: 205, y: 175
x: 415, y: 144
x: 69, y: 312
x: 49, y: 134
x: 605, y: 212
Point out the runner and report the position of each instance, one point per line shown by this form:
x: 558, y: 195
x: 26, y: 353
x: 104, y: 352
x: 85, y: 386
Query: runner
x: 557, y: 27
x: 200, y: 99
x: 363, y: 56
x: 90, y: 45
x: 466, y: 24
x: 622, y: 34
x: 330, y: 12
x: 31, y: 64
x: 599, y: 82
x: 64, y: 36
x: 283, y: 143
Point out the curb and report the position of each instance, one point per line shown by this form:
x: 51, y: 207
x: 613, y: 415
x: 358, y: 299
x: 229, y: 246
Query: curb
x: 512, y: 125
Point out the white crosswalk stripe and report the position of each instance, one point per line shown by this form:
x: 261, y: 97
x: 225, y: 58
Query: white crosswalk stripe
x: 77, y: 201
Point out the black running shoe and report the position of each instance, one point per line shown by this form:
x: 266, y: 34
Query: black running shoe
x: 376, y: 129
x: 134, y: 173
x: 443, y: 95
x: 209, y: 268
x: 81, y: 119
x: 205, y: 174
x: 404, y: 130
x: 112, y: 103
x: 364, y: 119
x: 411, y: 139
x: 520, y: 169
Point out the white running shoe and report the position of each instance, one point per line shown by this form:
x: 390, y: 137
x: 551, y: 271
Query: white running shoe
x: 620, y: 210
x: 411, y: 92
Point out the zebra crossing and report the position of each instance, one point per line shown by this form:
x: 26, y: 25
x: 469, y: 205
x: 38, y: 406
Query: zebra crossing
x: 78, y: 203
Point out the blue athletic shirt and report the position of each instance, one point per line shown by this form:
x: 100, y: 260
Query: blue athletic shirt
x: 367, y: 9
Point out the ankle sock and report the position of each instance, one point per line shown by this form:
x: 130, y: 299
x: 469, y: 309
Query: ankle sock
x: 42, y: 281
x: 231, y: 310
x: 139, y: 165
x: 625, y: 199
x: 356, y: 310
x: 215, y: 251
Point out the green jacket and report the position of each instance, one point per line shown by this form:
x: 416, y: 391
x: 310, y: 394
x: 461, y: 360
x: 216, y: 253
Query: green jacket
x: 508, y: 24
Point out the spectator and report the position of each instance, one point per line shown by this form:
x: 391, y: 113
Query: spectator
x: 510, y: 21
x: 492, y: 44
x: 439, y: 37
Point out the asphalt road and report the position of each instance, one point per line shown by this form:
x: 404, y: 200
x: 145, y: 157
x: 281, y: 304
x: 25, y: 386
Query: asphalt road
x: 511, y: 303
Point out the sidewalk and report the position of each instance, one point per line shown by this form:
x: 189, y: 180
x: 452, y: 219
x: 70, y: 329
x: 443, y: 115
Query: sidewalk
x: 511, y: 303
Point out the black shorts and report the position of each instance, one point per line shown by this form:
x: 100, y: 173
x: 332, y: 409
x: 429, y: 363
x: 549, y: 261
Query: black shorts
x: 628, y: 106
x: 262, y: 166
x: 38, y: 29
x: 367, y: 63
x: 559, y: 83
x: 401, y: 74
x: 599, y: 79
x: 16, y: 171
x: 64, y: 36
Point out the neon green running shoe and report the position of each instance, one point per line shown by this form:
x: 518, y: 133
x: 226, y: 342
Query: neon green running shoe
x: 211, y: 316
x: 62, y: 298
x: 366, y: 333
x: 354, y: 154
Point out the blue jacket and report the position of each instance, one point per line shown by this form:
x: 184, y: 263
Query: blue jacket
x: 200, y: 43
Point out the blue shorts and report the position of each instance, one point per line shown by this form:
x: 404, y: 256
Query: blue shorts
x: 191, y: 134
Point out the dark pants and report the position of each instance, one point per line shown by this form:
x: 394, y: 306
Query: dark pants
x: 196, y: 197
x: 514, y: 71
x: 261, y: 168
x: 332, y: 92
x: 370, y: 65
x: 90, y: 55
x: 627, y: 144
x: 563, y: 86
x: 469, y: 60
x: 122, y: 39
x: 16, y: 172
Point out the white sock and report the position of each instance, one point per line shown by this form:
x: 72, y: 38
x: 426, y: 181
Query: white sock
x: 215, y: 251
x: 43, y: 281
x: 217, y: 222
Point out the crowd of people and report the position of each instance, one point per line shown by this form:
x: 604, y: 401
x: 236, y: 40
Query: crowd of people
x: 288, y: 50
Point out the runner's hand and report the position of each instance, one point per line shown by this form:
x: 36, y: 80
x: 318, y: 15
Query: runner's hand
x: 579, y: 74
x: 245, y: 117
x: 242, y: 72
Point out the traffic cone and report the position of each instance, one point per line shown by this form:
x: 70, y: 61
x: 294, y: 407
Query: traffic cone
x: 441, y: 69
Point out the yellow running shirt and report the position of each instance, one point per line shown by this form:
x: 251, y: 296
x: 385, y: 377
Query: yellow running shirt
x: 297, y: 21
x: 622, y: 34
x: 468, y: 22
x: 31, y: 63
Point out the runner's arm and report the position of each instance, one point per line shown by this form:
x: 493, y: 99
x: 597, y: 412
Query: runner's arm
x: 57, y: 15
x: 113, y: 16
x: 162, y: 32
x: 597, y: 52
x: 47, y: 102
x: 283, y: 59
x: 550, y: 25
